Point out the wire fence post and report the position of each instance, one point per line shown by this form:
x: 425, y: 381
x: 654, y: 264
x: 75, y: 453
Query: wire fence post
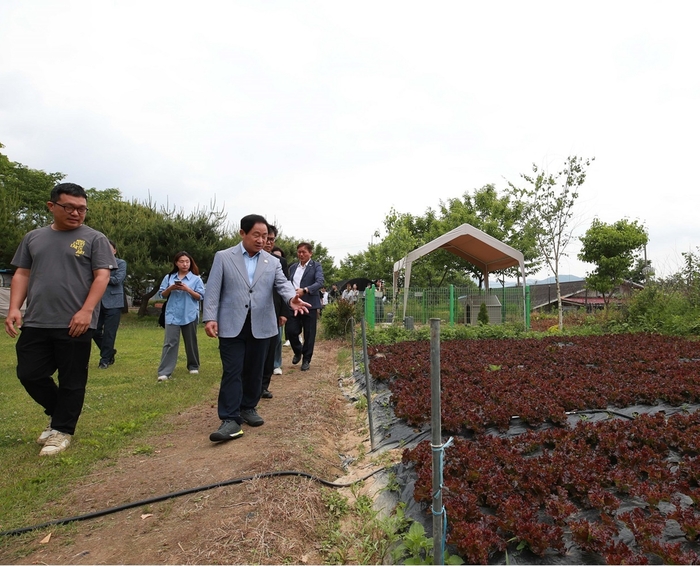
x: 527, y: 306
x: 436, y: 440
x: 452, y: 305
x: 368, y: 385
x: 369, y: 306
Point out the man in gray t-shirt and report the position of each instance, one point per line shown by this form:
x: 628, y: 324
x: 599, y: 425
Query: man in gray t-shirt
x: 62, y: 272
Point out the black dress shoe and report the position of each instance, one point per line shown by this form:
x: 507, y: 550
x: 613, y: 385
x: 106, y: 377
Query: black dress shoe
x: 305, y: 366
x: 296, y: 359
x: 266, y: 394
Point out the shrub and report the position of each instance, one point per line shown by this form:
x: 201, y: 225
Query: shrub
x: 397, y: 333
x: 483, y: 316
x: 336, y: 317
x: 655, y: 309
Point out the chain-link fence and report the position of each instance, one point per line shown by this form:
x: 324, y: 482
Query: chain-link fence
x: 452, y: 305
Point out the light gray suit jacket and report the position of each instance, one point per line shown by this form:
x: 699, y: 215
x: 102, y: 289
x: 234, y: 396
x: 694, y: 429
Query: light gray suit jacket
x: 229, y: 296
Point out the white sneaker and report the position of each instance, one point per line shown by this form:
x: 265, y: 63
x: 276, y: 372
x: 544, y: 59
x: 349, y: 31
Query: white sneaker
x: 194, y: 371
x: 48, y: 431
x: 57, y: 442
x: 287, y: 343
x: 163, y: 377
x: 277, y: 371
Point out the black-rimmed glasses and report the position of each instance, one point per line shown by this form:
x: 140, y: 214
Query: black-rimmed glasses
x: 70, y: 209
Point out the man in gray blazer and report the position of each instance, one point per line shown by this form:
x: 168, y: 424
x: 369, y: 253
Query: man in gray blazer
x: 111, y: 307
x: 239, y: 311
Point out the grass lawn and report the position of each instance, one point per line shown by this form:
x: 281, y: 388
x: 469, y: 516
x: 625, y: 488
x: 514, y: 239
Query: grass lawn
x: 123, y: 404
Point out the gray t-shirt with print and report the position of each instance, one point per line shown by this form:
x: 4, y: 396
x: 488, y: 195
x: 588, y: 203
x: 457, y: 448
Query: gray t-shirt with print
x: 61, y: 264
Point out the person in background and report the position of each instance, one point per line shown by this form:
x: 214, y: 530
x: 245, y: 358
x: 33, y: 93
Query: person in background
x: 307, y: 277
x: 324, y: 301
x: 273, y: 361
x: 110, y: 312
x: 347, y: 293
x: 379, y: 298
x: 333, y: 294
x: 279, y: 252
x: 184, y: 290
x: 62, y: 271
x: 354, y: 294
x: 239, y: 311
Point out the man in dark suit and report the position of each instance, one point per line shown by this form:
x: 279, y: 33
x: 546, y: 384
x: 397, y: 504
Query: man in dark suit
x: 110, y: 312
x: 239, y: 311
x: 307, y: 277
x: 273, y: 362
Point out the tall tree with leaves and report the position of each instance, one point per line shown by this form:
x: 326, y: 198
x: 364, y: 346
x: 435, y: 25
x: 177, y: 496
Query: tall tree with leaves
x: 23, y: 196
x: 405, y: 233
x: 320, y: 254
x: 148, y: 237
x: 613, y: 249
x: 549, y: 207
x: 500, y: 216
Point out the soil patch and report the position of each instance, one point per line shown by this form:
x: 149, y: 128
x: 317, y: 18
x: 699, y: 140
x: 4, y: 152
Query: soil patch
x: 309, y: 427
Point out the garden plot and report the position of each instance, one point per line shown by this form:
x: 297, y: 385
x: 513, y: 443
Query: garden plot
x: 567, y: 450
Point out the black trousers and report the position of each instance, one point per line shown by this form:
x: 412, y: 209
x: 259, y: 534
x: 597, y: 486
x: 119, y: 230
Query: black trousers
x: 243, y: 361
x: 106, y: 333
x: 42, y: 351
x: 305, y: 323
x: 269, y: 363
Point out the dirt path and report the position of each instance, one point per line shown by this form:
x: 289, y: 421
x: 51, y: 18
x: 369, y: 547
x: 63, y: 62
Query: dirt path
x: 309, y: 427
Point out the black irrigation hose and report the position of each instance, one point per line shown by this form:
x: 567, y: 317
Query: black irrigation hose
x: 159, y: 498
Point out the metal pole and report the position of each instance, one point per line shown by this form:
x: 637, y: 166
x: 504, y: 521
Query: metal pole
x: 452, y: 305
x: 351, y: 322
x: 526, y: 293
x: 436, y: 425
x: 368, y: 385
x: 369, y: 305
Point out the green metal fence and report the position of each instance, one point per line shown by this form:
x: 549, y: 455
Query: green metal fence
x: 452, y: 305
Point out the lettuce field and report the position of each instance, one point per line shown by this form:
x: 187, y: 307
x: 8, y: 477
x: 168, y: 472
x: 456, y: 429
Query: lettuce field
x: 567, y: 449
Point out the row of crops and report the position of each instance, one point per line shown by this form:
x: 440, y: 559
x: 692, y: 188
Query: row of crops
x: 621, y: 488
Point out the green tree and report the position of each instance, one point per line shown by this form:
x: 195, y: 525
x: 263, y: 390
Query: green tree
x: 377, y: 262
x: 373, y: 263
x: 502, y: 217
x: 641, y: 271
x: 320, y: 254
x: 148, y: 236
x: 499, y: 216
x: 23, y: 196
x: 691, y: 276
x: 483, y: 316
x: 405, y: 233
x: 549, y: 202
x: 613, y: 249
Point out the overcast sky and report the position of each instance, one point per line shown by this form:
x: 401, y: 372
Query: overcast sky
x: 323, y: 116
